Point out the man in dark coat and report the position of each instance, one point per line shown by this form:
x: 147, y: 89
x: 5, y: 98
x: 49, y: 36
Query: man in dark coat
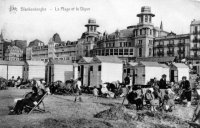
x: 163, y: 85
x: 187, y: 93
x: 31, y: 100
x: 127, y: 80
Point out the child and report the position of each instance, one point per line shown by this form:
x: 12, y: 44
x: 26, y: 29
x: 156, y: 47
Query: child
x: 95, y: 91
x: 168, y: 101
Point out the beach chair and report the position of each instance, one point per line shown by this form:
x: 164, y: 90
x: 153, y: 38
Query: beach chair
x: 29, y: 109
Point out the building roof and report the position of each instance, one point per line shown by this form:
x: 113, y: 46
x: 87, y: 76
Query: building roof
x: 60, y: 62
x: 15, y: 63
x: 35, y: 63
x: 157, y: 59
x: 180, y: 65
x: 149, y: 64
x: 122, y: 33
x: 164, y: 66
x: 2, y: 62
x: 133, y: 63
x: 85, y: 60
x: 107, y: 59
x: 195, y: 22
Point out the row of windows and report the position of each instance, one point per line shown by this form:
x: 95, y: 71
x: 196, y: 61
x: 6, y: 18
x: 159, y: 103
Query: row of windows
x: 108, y: 52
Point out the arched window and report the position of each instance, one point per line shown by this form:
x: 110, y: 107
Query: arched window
x: 146, y: 18
x: 150, y: 51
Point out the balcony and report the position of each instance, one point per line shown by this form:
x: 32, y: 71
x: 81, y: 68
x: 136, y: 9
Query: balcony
x: 170, y: 52
x: 195, y: 48
x: 196, y: 32
x: 181, y: 44
x: 159, y: 53
x: 181, y: 51
x: 195, y: 40
x: 170, y: 45
x: 160, y: 46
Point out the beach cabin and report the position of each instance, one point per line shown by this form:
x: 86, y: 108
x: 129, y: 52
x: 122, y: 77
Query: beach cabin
x: 4, y: 69
x: 59, y: 70
x: 105, y: 69
x: 166, y: 71
x: 129, y: 69
x: 177, y: 71
x: 15, y: 68
x: 145, y: 71
x: 83, y: 70
x: 34, y: 70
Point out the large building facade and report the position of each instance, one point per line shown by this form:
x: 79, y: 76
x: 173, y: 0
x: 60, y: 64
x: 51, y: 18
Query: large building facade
x: 143, y: 40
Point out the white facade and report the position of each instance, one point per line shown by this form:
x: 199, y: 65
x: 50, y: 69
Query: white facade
x: 15, y: 71
x: 34, y: 69
x: 111, y: 72
x: 63, y: 72
x: 148, y: 70
x: 3, y: 71
x: 105, y: 69
x: 178, y: 70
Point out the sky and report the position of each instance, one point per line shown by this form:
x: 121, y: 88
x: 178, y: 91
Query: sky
x: 111, y: 15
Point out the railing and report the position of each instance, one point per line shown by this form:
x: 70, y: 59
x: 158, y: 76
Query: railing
x: 160, y: 53
x: 170, y: 45
x: 196, y: 32
x: 160, y: 46
x: 170, y: 52
x: 181, y: 51
x: 181, y: 44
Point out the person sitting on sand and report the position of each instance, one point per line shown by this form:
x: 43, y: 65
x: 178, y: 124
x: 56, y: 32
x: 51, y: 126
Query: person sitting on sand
x: 31, y: 99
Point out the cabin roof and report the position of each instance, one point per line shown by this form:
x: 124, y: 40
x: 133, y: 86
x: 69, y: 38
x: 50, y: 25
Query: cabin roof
x: 35, y: 63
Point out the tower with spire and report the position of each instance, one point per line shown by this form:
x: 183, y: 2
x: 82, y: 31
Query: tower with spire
x: 161, y: 26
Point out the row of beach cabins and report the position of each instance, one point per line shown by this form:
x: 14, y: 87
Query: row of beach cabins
x: 93, y: 70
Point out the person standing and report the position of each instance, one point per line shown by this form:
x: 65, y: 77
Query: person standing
x: 78, y: 90
x: 127, y: 80
x: 187, y: 93
x: 163, y: 85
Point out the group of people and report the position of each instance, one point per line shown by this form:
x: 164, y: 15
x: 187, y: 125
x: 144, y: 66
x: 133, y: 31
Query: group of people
x: 160, y: 95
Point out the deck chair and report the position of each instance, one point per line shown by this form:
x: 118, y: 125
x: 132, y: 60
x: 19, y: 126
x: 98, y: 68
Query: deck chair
x: 37, y: 106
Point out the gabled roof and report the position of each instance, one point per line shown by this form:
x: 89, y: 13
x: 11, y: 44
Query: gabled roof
x: 106, y: 59
x: 180, y: 65
x: 60, y: 62
x: 164, y: 66
x: 149, y: 64
x: 35, y: 63
x: 133, y: 63
x: 85, y: 60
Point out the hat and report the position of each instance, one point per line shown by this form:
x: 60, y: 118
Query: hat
x: 43, y: 82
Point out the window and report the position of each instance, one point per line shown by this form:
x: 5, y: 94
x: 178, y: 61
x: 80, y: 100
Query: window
x: 128, y: 70
x: 131, y: 51
x: 91, y: 68
x: 146, y: 18
x: 99, y: 68
x: 115, y: 51
x: 140, y: 31
x: 125, y: 51
x: 150, y: 19
x: 111, y: 51
x: 140, y: 52
x: 120, y: 44
x: 142, y: 19
x: 107, y: 52
x: 120, y: 51
x: 79, y: 68
x: 150, y: 51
